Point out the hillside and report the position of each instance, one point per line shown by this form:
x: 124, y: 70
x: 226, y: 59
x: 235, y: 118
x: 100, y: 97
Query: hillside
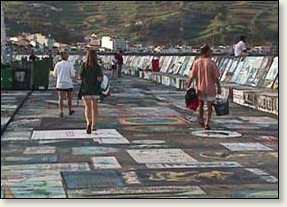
x: 147, y: 21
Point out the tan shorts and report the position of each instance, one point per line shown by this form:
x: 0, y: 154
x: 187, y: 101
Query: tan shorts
x: 91, y: 97
x: 206, y: 98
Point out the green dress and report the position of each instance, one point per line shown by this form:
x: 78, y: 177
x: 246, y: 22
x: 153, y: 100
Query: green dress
x: 91, y: 86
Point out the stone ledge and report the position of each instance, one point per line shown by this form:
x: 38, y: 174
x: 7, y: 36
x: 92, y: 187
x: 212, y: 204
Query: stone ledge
x: 264, y: 100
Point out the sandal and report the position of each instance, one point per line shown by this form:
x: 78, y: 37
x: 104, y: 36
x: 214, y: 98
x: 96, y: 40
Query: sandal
x: 201, y: 124
x: 71, y: 112
x: 207, y: 127
x: 61, y: 114
x: 89, y: 129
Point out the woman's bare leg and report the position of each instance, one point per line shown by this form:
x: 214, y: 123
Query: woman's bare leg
x: 61, y: 95
x: 88, y: 110
x: 95, y: 113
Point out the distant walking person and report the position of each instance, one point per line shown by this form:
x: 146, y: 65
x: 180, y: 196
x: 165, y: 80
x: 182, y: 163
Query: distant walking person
x: 32, y: 56
x: 114, y: 67
x: 120, y: 62
x: 240, y: 48
x: 64, y: 72
x: 92, y: 76
x: 206, y: 74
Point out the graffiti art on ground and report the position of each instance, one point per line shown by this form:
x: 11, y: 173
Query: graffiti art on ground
x: 42, y: 142
x: 4, y: 120
x: 110, y: 112
x: 216, y: 133
x: 198, y: 176
x: 160, y: 156
x: 191, y: 118
x: 269, y: 138
x: 8, y: 98
x: 274, y: 154
x: 223, y: 155
x: 112, y: 140
x: 130, y: 178
x: 11, y: 150
x: 92, y: 150
x: 142, y: 146
x: 4, y: 106
x: 263, y: 175
x: 14, y: 93
x: 26, y: 123
x: 30, y: 159
x: 146, y: 128
x: 152, y: 120
x: 148, y: 141
x: 32, y: 185
x: 194, y: 165
x: 152, y: 111
x: 227, y: 121
x: 74, y: 134
x: 95, y: 179
x: 105, y: 163
x: 40, y: 150
x: 246, y: 147
x: 145, y: 191
x: 37, y: 94
x: 55, y: 102
x: 257, y: 194
x: 16, y: 135
x: 260, y: 120
x: 136, y: 95
x: 34, y: 114
x: 59, y: 167
x: 37, y: 180
x: 245, y: 127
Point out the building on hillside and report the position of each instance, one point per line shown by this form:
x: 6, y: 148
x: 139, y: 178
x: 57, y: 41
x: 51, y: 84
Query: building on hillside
x: 57, y: 45
x: 120, y: 44
x: 34, y: 44
x: 113, y: 44
x: 22, y: 41
x: 107, y: 42
x: 44, y: 41
x: 13, y: 39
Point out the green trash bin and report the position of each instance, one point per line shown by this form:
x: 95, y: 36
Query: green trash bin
x: 6, y: 77
x: 41, y: 72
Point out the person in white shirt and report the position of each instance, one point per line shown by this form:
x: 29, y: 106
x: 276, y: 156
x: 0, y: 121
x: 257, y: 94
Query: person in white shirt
x: 64, y: 72
x: 240, y: 48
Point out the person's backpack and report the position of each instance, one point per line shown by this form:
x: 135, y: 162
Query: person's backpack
x: 105, y: 88
x: 191, y: 99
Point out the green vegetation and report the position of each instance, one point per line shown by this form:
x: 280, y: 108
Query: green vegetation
x: 162, y: 21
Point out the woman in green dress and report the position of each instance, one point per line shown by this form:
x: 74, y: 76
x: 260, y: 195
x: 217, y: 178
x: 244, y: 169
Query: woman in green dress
x: 92, y: 76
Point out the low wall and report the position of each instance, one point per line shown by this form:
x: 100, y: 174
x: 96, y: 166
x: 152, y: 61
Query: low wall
x: 251, y: 82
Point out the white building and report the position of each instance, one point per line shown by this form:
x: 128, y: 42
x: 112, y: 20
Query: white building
x: 113, y: 44
x: 107, y: 42
x: 120, y: 44
x: 44, y: 41
x: 57, y: 44
x: 13, y: 39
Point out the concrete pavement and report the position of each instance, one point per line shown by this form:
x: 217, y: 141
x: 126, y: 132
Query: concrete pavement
x: 148, y: 145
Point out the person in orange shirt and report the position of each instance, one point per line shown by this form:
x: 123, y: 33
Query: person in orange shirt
x: 206, y: 74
